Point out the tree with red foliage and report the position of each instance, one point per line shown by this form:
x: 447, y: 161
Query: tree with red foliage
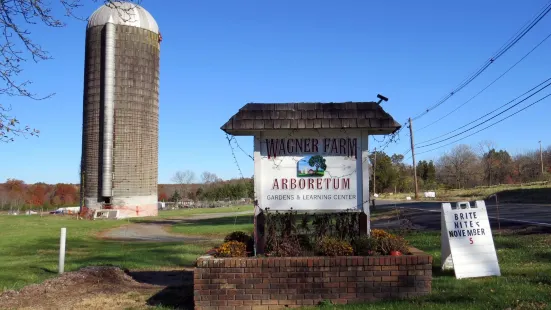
x: 66, y: 194
x: 163, y: 196
x: 37, y: 194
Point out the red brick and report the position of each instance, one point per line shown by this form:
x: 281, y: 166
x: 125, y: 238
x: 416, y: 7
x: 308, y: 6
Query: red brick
x: 331, y: 284
x: 389, y: 268
x: 260, y: 307
x: 261, y: 275
x: 253, y: 291
x: 340, y: 290
x: 287, y: 302
x: 243, y: 286
x: 219, y: 303
x: 373, y: 279
x: 235, y: 302
x: 243, y: 276
x: 351, y: 290
x: 416, y: 273
x: 236, y: 281
x: 243, y: 297
x: 279, y: 297
x: 261, y: 297
x: 312, y: 296
x: 226, y: 297
x: 305, y: 302
x: 219, y: 281
x: 287, y: 280
x: 253, y: 281
x: 209, y: 297
x: 381, y: 273
x: 202, y: 303
x: 389, y: 278
x: 347, y: 295
x: 251, y: 302
x: 269, y: 302
x: 201, y: 281
x: 399, y: 273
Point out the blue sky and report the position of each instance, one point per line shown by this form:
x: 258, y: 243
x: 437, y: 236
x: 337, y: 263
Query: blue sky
x: 218, y: 55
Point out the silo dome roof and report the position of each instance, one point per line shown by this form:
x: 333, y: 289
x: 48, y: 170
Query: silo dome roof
x: 123, y: 13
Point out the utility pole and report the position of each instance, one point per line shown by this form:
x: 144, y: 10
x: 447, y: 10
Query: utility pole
x: 541, y: 158
x: 374, y: 169
x: 413, y: 157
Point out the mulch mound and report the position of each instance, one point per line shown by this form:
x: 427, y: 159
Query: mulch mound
x: 65, y: 291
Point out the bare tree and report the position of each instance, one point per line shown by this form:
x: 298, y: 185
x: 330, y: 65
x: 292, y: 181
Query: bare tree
x: 459, y: 166
x: 17, y: 47
x: 209, y: 178
x: 487, y: 160
x: 184, y: 179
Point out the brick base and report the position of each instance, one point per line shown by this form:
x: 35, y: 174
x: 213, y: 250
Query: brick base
x: 266, y: 283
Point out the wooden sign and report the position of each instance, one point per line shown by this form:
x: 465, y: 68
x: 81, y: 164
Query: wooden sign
x: 467, y: 242
x: 311, y: 172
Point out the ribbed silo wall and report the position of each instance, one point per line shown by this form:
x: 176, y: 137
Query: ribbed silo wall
x: 136, y: 130
x: 92, y: 122
x: 136, y: 119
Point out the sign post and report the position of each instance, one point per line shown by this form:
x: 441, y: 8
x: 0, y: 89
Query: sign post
x: 310, y: 157
x: 467, y: 242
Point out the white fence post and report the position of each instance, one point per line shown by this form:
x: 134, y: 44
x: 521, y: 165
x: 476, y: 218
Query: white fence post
x: 62, y: 250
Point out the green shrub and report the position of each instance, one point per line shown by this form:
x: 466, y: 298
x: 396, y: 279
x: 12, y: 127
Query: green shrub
x: 238, y: 236
x: 385, y: 243
x: 232, y: 249
x: 364, y: 246
x: 287, y: 247
x: 330, y: 246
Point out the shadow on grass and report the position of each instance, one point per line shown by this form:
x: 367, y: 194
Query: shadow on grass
x: 529, y: 195
x: 173, y: 297
x: 437, y: 272
x: 178, y: 293
x: 221, y: 225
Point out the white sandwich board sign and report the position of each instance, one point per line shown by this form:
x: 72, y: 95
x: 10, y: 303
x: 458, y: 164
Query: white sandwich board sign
x: 467, y: 242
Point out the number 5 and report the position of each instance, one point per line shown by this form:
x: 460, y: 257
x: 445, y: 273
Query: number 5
x: 471, y: 240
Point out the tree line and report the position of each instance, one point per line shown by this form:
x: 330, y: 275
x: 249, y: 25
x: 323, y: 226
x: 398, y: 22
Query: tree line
x: 464, y: 166
x: 15, y: 194
x: 208, y: 187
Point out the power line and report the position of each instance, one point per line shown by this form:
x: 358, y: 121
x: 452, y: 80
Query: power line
x: 491, y: 112
x: 469, y: 129
x: 520, y: 34
x: 497, y: 122
x: 488, y: 86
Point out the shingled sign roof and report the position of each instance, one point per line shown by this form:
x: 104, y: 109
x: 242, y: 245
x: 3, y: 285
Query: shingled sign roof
x: 273, y: 116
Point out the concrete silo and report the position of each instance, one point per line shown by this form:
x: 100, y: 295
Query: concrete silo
x: 121, y: 111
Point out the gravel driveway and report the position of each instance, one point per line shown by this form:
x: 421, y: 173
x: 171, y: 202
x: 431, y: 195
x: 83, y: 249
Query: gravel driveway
x: 158, y: 230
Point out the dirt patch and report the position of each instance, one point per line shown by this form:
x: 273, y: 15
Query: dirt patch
x: 98, y: 288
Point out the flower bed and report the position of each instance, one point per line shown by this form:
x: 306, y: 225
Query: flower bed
x: 278, y: 282
x: 310, y: 259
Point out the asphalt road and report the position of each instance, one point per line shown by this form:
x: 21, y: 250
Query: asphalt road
x: 511, y: 216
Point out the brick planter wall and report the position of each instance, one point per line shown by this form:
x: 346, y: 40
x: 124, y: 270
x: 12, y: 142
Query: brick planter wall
x: 267, y: 283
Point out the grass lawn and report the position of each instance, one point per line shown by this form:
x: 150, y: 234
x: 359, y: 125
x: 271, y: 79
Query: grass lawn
x: 217, y: 227
x: 189, y: 212
x: 525, y: 262
x: 29, y: 245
